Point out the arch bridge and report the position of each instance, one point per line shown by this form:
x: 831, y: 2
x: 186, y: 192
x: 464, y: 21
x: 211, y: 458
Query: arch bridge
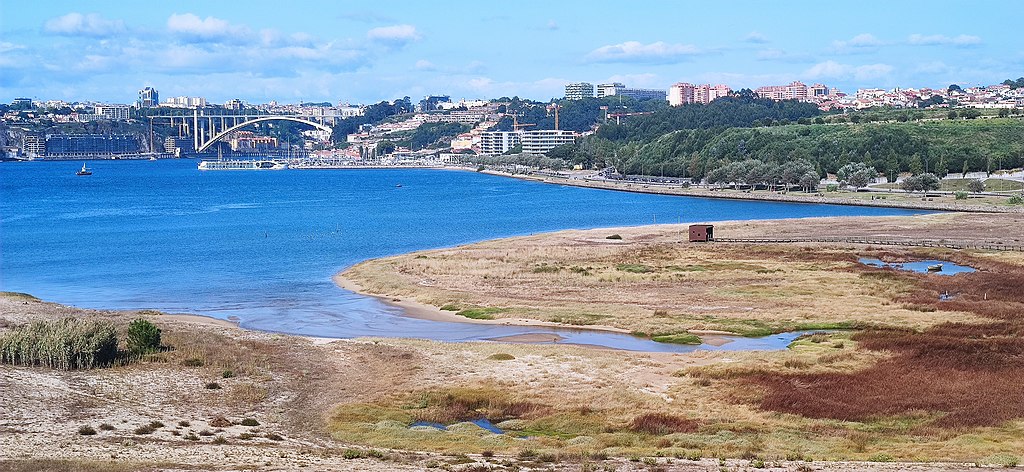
x: 206, y: 130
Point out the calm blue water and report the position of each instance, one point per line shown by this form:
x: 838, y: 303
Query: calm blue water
x: 948, y: 268
x: 262, y: 246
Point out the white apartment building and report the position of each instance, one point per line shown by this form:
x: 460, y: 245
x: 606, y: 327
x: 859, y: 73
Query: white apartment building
x: 579, y: 91
x: 543, y: 140
x: 533, y: 142
x: 184, y: 102
x: 113, y: 112
x: 493, y: 143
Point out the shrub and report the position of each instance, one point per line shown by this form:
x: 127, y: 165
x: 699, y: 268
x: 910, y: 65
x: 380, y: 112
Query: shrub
x: 191, y: 436
x: 246, y: 436
x: 107, y: 427
x: 65, y: 344
x: 960, y: 195
x: 614, y: 236
x: 227, y: 374
x: 487, y: 453
x: 1015, y: 200
x: 142, y: 337
x: 145, y: 429
x: 501, y: 356
x: 250, y: 422
x: 206, y: 432
x: 220, y: 422
x: 184, y: 424
x: 212, y: 386
x: 220, y: 440
x: 86, y: 430
x: 352, y: 454
x: 192, y: 362
x: 274, y: 437
x: 156, y: 424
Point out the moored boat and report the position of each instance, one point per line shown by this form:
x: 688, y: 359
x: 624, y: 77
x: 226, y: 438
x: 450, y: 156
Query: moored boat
x: 242, y: 165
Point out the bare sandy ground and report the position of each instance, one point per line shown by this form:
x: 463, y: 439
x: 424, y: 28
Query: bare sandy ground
x: 41, y: 410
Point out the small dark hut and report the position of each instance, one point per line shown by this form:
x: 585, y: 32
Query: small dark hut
x: 702, y: 233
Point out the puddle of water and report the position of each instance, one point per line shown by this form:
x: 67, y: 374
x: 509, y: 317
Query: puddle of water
x: 481, y: 422
x: 944, y: 267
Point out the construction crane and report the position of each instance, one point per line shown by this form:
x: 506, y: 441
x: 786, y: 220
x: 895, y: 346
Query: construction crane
x: 554, y: 106
x: 618, y: 116
x: 516, y: 125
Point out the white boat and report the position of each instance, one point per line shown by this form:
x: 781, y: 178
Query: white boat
x: 85, y: 171
x: 242, y: 165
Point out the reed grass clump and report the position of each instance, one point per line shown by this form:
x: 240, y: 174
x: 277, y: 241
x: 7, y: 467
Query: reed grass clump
x: 65, y: 344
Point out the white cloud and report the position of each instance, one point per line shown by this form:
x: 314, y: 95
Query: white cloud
x: 77, y: 24
x: 424, y: 65
x: 6, y: 47
x: 942, y: 40
x: 756, y: 38
x: 395, y: 34
x: 190, y: 26
x: 634, y: 51
x: 552, y: 25
x: 835, y: 70
x: 861, y: 42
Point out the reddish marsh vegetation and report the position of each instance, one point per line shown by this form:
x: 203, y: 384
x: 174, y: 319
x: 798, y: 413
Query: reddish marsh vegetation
x: 951, y: 375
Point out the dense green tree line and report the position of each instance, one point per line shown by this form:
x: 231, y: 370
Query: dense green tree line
x: 939, y: 147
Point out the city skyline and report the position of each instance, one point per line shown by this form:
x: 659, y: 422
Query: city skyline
x: 365, y: 53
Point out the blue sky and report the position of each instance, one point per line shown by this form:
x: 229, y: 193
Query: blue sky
x: 363, y: 52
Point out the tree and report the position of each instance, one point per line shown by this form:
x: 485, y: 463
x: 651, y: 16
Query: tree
x: 954, y: 88
x: 911, y: 184
x: 810, y: 180
x: 385, y: 147
x: 1004, y: 112
x: 951, y: 115
x: 856, y: 174
x: 975, y: 186
x: 929, y: 182
x: 143, y: 337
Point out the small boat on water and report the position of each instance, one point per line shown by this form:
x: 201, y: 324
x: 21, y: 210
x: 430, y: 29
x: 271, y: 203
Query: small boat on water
x: 398, y: 185
x: 934, y: 268
x: 85, y: 171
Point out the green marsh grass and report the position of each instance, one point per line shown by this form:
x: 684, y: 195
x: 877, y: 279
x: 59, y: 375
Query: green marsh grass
x: 65, y: 344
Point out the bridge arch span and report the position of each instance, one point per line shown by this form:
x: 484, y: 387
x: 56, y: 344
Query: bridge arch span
x: 239, y: 126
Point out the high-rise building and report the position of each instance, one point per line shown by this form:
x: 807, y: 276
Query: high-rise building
x: 615, y: 88
x: 604, y: 90
x: 149, y: 97
x: 234, y: 104
x: 579, y: 91
x: 682, y: 93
